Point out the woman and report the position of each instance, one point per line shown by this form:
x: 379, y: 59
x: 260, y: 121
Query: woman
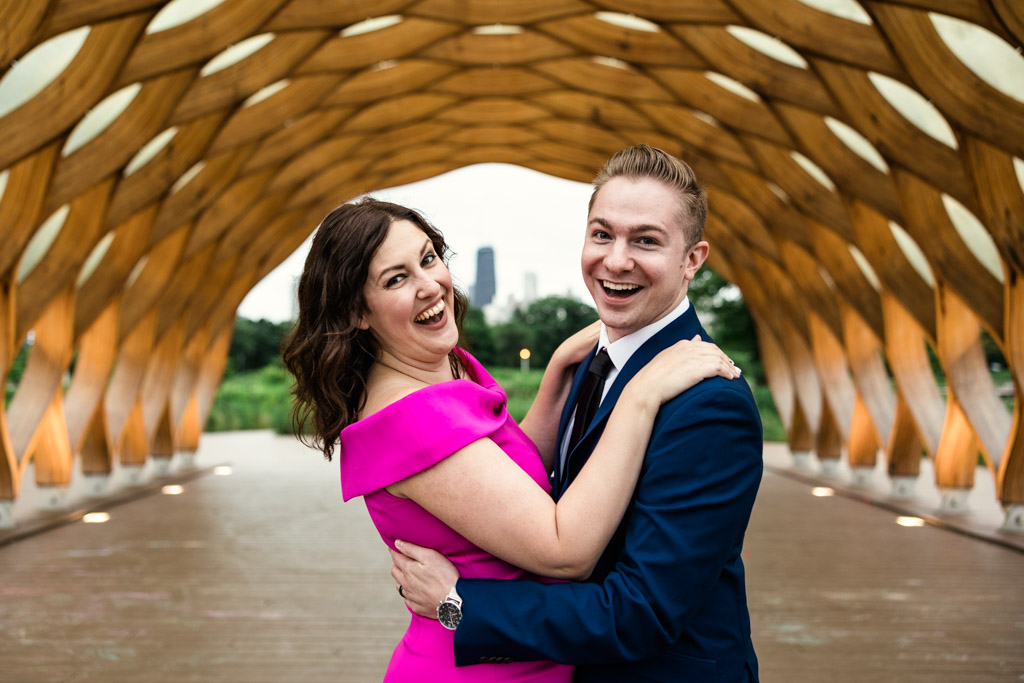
x: 425, y: 436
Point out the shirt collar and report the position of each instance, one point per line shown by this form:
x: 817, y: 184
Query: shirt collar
x: 620, y: 350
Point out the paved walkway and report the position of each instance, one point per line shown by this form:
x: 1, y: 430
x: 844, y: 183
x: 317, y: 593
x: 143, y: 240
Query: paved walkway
x: 266, y: 576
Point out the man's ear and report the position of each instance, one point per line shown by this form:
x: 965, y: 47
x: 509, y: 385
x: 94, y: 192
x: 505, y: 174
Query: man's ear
x: 695, y: 259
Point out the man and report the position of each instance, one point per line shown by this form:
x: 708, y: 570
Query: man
x: 667, y: 600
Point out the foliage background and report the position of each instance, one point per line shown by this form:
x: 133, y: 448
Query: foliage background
x: 255, y: 390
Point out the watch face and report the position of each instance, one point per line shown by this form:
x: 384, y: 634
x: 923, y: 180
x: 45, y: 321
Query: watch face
x: 449, y: 614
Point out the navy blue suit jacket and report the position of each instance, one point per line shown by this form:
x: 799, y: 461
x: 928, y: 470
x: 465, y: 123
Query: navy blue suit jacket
x: 667, y: 601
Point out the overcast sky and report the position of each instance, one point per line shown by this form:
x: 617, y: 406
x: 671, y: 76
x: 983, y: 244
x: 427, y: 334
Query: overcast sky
x: 534, y: 222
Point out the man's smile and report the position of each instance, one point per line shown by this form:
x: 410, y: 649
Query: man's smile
x: 620, y: 290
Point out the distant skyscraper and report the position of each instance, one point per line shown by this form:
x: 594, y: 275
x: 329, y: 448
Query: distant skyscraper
x: 483, y: 290
x: 529, y: 287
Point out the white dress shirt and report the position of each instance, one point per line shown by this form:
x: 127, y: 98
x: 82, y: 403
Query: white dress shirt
x: 619, y: 352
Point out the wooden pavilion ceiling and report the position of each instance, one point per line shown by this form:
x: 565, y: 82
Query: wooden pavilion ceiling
x: 168, y: 167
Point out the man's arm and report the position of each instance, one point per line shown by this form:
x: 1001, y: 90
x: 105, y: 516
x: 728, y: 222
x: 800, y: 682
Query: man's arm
x: 692, y: 506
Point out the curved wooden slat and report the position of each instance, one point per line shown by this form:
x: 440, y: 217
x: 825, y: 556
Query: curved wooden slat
x: 950, y: 259
x: 834, y: 255
x: 59, y: 268
x: 20, y: 19
x: 105, y: 285
x: 585, y: 74
x: 120, y: 398
x: 136, y: 192
x: 801, y: 26
x: 84, y: 394
x: 50, y: 450
x: 768, y: 77
x: 10, y: 470
x: 905, y: 447
x: 876, y: 241
x: 905, y: 341
x: 947, y: 81
x: 112, y: 149
x: 963, y: 359
x: 867, y: 365
x: 836, y: 384
x: 898, y: 140
x: 1010, y: 477
x: 84, y: 82
x: 862, y: 443
x: 204, y: 36
x: 851, y: 174
x: 21, y: 207
x: 525, y: 47
x: 583, y: 31
x: 304, y: 14
x: 828, y: 441
x: 956, y: 456
x: 355, y: 52
x: 1000, y: 198
x: 155, y: 391
x: 231, y: 86
x: 823, y: 304
x: 40, y: 384
x: 695, y: 90
x: 814, y: 199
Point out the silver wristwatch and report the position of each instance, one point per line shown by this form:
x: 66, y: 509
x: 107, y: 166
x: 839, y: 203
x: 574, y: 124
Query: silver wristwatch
x: 449, y: 612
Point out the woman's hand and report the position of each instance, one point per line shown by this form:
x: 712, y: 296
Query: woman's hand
x: 573, y: 350
x: 680, y: 367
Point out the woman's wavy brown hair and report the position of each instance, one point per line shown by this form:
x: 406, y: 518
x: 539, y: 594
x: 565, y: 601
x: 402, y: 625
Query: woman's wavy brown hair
x: 327, y: 353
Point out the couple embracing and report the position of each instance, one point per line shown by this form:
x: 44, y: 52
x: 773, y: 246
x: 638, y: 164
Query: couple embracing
x: 600, y: 538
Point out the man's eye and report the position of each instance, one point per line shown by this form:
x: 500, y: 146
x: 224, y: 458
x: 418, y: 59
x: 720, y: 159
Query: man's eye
x: 601, y: 235
x: 648, y: 241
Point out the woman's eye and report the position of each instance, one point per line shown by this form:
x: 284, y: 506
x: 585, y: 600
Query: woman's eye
x: 393, y: 281
x: 429, y: 258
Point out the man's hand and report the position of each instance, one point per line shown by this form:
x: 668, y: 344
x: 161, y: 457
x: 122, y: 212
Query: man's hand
x: 424, y: 577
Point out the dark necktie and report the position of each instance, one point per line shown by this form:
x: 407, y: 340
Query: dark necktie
x: 589, y: 398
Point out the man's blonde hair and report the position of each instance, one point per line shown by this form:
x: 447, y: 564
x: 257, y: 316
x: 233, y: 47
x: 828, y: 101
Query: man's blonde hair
x: 644, y: 161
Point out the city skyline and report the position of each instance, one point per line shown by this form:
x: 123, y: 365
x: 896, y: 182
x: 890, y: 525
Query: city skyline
x: 474, y: 207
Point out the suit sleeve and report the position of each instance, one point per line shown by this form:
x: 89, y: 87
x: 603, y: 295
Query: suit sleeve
x: 687, y: 520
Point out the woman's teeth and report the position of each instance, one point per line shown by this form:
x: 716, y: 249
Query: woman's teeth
x: 426, y: 315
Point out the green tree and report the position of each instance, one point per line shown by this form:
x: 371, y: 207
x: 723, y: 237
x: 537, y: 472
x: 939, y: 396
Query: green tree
x: 16, y: 371
x: 551, y: 320
x: 478, y: 337
x: 255, y: 344
x: 724, y: 313
x: 509, y: 338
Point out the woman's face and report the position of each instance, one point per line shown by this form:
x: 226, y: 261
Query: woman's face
x: 409, y: 298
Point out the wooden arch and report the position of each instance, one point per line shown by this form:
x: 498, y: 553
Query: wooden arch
x: 234, y: 131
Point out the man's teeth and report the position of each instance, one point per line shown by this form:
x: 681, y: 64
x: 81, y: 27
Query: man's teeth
x: 615, y: 286
x: 430, y: 313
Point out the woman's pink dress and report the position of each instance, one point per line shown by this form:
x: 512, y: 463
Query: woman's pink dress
x: 405, y: 438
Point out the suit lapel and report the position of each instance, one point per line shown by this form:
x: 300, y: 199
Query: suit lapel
x: 684, y: 327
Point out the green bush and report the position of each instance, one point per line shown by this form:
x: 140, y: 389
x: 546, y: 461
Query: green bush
x: 261, y: 399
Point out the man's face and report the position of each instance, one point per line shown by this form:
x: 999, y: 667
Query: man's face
x: 635, y: 260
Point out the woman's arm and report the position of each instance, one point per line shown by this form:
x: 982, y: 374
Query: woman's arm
x: 483, y: 495
x: 541, y: 421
